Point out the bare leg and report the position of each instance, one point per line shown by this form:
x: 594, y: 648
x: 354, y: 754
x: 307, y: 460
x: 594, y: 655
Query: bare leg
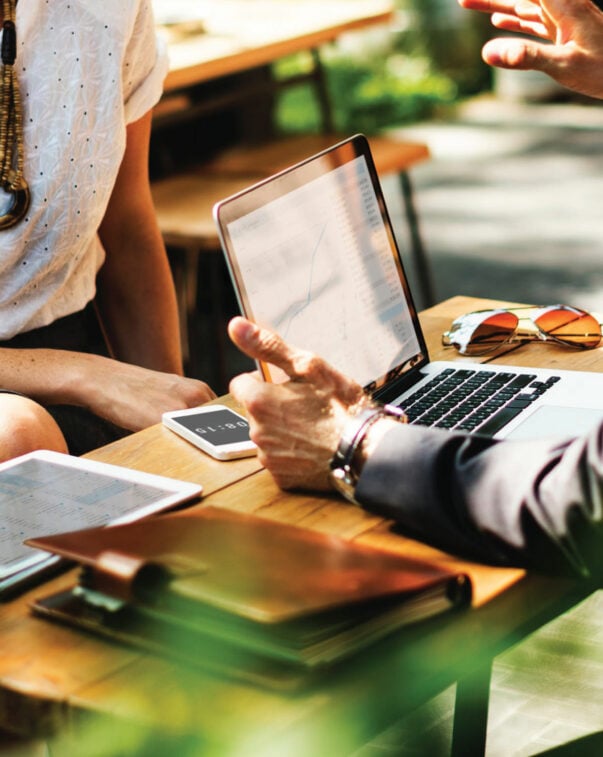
x: 26, y: 426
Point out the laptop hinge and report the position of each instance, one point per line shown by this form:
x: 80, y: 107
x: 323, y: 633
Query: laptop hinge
x: 394, y: 389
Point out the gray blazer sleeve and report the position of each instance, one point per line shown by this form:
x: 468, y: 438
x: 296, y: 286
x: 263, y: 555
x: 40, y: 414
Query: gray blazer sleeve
x: 531, y: 504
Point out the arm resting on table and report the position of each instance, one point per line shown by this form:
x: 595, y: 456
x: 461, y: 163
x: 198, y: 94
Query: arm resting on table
x: 536, y: 504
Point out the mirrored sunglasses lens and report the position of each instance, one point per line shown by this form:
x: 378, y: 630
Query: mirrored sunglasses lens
x: 571, y: 326
x: 489, y: 334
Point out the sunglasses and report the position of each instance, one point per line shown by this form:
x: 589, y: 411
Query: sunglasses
x: 484, y: 331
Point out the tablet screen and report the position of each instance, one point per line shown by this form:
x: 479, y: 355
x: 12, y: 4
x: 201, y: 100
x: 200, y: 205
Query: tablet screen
x: 44, y: 493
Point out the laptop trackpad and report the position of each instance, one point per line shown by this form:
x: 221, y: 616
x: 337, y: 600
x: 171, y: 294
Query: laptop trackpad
x: 551, y: 420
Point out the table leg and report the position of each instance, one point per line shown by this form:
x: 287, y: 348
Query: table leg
x: 322, y: 93
x: 471, y: 713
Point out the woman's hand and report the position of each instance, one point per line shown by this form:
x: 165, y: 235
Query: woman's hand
x: 133, y: 397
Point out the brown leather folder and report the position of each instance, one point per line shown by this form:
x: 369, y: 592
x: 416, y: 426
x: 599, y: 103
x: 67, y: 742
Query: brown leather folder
x: 242, y: 585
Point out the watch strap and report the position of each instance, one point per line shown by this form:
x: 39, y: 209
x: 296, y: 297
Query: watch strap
x: 343, y: 474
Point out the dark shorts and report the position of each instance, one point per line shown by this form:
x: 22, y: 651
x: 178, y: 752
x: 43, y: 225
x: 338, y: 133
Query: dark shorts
x: 80, y: 332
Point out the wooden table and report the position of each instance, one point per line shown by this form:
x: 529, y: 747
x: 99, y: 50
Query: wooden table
x: 57, y: 680
x: 241, y: 34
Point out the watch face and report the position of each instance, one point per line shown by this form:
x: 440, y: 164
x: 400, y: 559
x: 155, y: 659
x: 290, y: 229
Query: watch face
x: 219, y: 427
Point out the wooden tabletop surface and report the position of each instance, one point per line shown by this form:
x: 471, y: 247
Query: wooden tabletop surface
x: 50, y: 674
x: 240, y: 35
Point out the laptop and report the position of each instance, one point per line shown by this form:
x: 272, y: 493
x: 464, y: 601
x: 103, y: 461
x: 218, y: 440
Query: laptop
x: 312, y: 254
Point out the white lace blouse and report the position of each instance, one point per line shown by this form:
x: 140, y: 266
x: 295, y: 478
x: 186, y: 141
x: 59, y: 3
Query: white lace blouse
x: 86, y: 69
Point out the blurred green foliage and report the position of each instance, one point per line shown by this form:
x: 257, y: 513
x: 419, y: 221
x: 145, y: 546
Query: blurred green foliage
x: 366, y: 95
x: 427, y: 60
x: 450, y: 38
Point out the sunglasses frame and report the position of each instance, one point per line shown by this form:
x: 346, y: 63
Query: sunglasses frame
x: 538, y: 335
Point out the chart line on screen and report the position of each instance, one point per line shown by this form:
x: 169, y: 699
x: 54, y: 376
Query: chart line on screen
x: 308, y: 300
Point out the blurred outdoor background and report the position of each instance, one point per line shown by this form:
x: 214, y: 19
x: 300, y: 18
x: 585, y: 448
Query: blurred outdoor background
x: 509, y: 202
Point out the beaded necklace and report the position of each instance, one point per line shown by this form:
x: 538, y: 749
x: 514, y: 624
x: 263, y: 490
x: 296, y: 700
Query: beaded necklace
x: 11, y: 124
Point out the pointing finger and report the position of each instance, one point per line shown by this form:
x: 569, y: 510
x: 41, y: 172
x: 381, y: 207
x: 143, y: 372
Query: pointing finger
x: 264, y: 345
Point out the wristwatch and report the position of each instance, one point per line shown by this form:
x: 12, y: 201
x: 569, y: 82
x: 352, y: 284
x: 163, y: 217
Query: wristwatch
x: 343, y: 474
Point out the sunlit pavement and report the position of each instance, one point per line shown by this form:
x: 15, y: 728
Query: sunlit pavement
x: 510, y: 203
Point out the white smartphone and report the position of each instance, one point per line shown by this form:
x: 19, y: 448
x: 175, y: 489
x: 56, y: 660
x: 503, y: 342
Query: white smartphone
x: 216, y: 429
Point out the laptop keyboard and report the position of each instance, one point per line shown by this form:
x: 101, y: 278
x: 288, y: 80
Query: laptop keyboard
x: 473, y: 400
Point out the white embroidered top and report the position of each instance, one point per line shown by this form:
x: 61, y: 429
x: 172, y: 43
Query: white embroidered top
x: 86, y: 69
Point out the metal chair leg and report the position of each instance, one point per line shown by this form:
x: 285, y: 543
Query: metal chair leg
x: 417, y: 247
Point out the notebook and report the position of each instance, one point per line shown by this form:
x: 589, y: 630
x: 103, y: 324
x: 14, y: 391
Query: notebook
x: 312, y: 254
x: 170, y: 584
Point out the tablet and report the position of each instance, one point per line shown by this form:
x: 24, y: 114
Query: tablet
x: 45, y: 493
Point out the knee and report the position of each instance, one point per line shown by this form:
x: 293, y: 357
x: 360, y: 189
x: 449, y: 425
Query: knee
x: 26, y: 426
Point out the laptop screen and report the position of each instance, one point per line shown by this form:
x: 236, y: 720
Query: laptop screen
x: 312, y: 255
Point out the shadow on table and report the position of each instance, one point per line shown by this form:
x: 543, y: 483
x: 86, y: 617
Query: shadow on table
x: 587, y: 746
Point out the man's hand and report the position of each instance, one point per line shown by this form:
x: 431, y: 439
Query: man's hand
x: 296, y: 424
x: 573, y: 53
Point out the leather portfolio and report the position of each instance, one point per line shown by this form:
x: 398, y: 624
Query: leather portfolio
x: 241, y: 593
